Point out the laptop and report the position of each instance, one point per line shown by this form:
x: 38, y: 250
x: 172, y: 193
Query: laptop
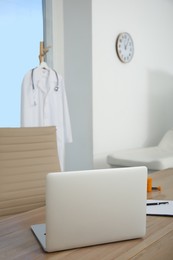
x: 91, y: 207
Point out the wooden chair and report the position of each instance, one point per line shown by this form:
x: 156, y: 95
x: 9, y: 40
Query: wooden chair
x: 27, y: 155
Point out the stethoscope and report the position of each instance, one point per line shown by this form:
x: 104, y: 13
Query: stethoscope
x: 32, y: 80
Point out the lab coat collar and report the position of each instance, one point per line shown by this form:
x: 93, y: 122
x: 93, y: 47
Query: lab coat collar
x: 47, y: 75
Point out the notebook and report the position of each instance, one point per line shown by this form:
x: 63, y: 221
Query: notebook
x: 160, y: 208
x: 93, y: 207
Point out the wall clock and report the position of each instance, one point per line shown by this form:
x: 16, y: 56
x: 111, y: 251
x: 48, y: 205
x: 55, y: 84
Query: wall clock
x: 125, y: 47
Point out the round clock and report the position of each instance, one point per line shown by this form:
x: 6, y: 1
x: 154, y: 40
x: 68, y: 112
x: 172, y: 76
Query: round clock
x: 125, y: 47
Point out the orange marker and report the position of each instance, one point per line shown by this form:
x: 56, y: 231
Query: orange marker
x: 149, y: 184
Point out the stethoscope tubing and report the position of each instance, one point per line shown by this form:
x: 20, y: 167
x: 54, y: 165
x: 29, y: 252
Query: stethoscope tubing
x: 32, y: 80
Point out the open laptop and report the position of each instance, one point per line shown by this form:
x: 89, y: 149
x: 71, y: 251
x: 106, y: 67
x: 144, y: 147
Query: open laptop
x: 92, y: 207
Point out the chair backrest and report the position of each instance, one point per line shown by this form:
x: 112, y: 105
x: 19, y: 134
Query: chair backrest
x: 166, y: 142
x: 27, y: 154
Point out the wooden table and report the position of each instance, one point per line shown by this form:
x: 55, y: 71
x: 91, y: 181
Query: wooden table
x: 18, y: 242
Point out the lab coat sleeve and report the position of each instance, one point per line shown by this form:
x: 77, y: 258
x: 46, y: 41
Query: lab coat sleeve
x: 66, y: 116
x: 27, y: 102
x: 24, y: 99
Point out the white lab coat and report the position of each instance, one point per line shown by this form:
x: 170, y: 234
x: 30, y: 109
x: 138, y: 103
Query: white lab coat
x: 44, y: 103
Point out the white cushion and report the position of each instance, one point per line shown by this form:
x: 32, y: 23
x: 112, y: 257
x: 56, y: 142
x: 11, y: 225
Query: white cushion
x: 167, y: 141
x: 154, y: 158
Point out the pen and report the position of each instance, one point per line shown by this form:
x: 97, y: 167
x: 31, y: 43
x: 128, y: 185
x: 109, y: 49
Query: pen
x: 157, y: 203
x: 156, y: 188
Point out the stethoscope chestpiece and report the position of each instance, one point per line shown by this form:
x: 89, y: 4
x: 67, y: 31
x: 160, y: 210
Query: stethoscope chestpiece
x: 56, y: 88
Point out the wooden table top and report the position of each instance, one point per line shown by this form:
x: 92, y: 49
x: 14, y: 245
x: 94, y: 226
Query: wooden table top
x: 18, y: 242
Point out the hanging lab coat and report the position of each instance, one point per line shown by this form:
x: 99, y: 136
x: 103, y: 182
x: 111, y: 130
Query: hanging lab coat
x: 44, y: 103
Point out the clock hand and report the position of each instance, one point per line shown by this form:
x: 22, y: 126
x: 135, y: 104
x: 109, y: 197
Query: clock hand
x: 126, y: 44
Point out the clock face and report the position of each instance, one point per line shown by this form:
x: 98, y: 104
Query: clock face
x: 125, y: 47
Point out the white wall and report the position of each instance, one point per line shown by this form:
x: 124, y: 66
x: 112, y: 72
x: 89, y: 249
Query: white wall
x: 132, y: 103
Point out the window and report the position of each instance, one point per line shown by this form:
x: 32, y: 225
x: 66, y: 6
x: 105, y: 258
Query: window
x: 21, y: 27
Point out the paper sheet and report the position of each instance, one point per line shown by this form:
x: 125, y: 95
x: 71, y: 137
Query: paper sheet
x: 160, y: 210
